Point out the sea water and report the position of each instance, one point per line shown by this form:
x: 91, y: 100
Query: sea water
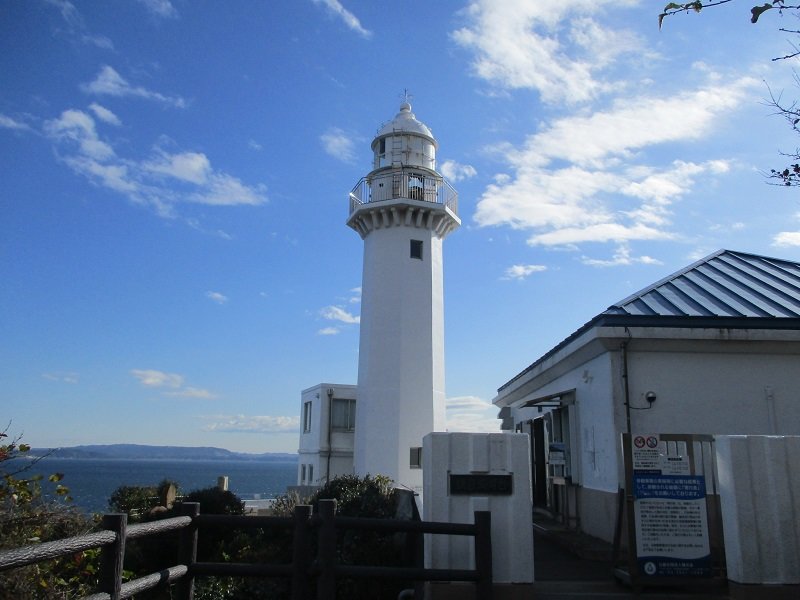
x: 91, y: 481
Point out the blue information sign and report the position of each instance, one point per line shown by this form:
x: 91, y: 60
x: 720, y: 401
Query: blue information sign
x: 671, y: 525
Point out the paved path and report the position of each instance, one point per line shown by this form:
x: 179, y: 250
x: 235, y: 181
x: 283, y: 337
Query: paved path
x: 561, y: 575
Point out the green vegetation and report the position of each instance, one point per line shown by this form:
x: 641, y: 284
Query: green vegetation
x: 28, y: 517
x: 371, y: 497
x: 136, y: 500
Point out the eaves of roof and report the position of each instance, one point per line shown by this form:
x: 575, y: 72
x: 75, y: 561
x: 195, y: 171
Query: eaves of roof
x: 626, y: 320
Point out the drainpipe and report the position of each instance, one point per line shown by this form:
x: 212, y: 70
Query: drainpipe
x: 624, y: 353
x: 330, y: 428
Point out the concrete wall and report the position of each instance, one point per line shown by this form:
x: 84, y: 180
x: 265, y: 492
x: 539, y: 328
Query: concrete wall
x: 706, y: 389
x: 479, y: 454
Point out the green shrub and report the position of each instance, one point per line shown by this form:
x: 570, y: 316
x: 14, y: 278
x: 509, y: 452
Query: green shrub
x: 28, y: 517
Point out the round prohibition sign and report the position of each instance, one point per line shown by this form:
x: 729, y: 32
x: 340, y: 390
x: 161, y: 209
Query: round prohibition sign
x: 652, y: 441
x: 638, y: 441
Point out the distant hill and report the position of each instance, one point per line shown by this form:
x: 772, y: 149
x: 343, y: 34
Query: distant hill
x: 137, y: 451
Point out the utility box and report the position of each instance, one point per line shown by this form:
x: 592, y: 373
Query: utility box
x: 468, y: 472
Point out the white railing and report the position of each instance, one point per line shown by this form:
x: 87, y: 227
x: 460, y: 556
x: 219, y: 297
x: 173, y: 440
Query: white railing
x: 405, y: 183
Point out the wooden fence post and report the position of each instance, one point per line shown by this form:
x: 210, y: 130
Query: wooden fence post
x: 483, y: 553
x: 113, y: 555
x: 326, y: 558
x: 187, y: 550
x: 301, y: 552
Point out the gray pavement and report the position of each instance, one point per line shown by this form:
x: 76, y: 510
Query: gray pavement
x: 568, y: 566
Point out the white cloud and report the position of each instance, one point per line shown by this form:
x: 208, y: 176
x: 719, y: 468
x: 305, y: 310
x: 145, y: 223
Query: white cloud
x: 216, y: 297
x: 105, y: 115
x: 161, y: 181
x: 226, y: 190
x: 356, y: 296
x: 329, y: 331
x: 160, y: 8
x: 115, y: 176
x: 557, y: 48
x: 252, y: 424
x: 584, y: 178
x: 467, y: 403
x: 157, y: 379
x: 77, y: 127
x: 335, y: 8
x: 192, y: 392
x: 336, y: 313
x: 193, y: 167
x: 622, y: 257
x: 786, y: 238
x: 456, y: 172
x: 254, y: 145
x: 600, y: 232
x: 7, y: 122
x: 171, y: 384
x: 110, y: 83
x: 522, y: 271
x: 76, y: 26
x: 68, y: 377
x: 338, y: 144
x: 470, y: 413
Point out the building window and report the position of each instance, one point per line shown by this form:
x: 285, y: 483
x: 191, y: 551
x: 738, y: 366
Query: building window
x: 306, y: 416
x: 302, y: 474
x: 343, y: 415
x: 416, y: 249
x: 310, y: 474
x: 415, y: 461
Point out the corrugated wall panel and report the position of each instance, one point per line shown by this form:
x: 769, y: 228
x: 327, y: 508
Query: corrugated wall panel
x: 759, y: 489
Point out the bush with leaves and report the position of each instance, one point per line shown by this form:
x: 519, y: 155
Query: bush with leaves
x: 366, y: 497
x: 28, y: 516
x: 138, y: 500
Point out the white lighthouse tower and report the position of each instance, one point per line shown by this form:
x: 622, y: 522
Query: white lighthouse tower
x: 402, y: 209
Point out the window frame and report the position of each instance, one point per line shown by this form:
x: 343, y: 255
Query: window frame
x: 349, y: 413
x: 307, y: 408
x: 416, y: 249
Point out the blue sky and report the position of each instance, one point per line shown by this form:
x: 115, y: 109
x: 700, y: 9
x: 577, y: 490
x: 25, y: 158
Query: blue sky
x: 174, y: 261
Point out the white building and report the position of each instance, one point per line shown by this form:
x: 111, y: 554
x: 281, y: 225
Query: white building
x: 326, y: 433
x: 711, y: 349
x: 403, y: 209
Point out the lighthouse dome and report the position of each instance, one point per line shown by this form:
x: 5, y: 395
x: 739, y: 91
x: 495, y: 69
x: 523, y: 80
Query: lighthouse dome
x: 405, y: 121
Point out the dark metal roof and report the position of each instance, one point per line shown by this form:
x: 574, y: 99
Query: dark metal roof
x: 727, y: 289
x: 724, y: 284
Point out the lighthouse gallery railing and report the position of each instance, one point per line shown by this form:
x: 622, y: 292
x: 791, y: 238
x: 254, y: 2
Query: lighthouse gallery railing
x: 405, y: 183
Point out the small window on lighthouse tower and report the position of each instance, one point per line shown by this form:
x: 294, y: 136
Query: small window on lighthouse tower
x: 416, y: 249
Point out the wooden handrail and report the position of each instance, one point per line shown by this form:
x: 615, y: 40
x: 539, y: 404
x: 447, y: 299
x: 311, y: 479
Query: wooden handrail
x: 112, y: 540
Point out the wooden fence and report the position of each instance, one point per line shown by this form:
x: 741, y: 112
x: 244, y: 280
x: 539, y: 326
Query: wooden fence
x: 304, y: 567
